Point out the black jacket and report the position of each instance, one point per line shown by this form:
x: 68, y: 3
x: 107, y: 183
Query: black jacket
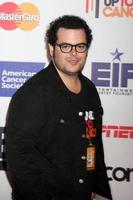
x: 45, y: 141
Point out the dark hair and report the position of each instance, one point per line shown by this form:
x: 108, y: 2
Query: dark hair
x: 68, y: 22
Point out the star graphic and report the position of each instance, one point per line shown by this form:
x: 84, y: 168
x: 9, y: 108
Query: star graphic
x: 116, y: 55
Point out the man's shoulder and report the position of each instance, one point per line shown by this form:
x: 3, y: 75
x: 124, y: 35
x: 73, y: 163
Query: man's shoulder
x: 88, y: 82
x: 91, y: 89
x: 35, y: 83
x: 39, y: 78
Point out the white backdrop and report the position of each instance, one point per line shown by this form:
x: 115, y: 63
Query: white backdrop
x: 109, y: 65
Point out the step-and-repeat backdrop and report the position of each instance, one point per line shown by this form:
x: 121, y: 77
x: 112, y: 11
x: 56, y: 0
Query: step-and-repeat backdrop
x: 109, y: 65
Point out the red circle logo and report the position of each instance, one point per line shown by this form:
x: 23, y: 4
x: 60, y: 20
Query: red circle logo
x: 25, y: 16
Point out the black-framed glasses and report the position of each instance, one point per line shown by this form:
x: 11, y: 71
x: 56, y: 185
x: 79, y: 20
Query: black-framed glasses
x: 67, y: 48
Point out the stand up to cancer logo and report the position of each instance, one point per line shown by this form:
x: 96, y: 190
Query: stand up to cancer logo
x: 25, y: 16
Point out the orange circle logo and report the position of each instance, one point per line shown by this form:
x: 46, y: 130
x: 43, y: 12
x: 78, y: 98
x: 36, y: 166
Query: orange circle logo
x: 25, y: 16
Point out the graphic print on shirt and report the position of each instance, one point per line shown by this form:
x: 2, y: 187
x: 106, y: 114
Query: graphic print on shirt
x: 90, y: 128
x: 90, y: 134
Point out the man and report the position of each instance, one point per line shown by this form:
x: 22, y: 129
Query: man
x: 54, y: 145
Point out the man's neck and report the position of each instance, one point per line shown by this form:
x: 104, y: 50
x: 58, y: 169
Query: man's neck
x: 71, y: 81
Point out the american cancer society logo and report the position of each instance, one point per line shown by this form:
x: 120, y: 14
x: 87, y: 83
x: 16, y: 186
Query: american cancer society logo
x: 109, y: 8
x: 113, y: 78
x: 14, y: 74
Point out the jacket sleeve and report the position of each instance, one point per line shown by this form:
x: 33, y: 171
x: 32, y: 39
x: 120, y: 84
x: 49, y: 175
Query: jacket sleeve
x: 26, y: 116
x: 101, y: 186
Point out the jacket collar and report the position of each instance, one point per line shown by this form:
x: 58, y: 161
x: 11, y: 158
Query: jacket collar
x: 58, y: 82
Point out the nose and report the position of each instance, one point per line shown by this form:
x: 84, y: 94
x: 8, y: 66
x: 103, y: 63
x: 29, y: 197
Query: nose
x: 73, y: 51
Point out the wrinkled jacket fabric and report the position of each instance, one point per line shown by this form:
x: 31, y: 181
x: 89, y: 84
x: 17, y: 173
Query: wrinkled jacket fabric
x: 45, y: 143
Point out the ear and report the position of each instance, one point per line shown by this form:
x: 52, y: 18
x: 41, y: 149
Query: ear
x: 51, y: 49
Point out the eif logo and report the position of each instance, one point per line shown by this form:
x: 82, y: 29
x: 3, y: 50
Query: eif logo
x: 113, y: 77
x: 25, y: 16
x: 109, y: 8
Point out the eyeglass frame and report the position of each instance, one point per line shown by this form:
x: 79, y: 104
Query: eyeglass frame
x: 71, y: 45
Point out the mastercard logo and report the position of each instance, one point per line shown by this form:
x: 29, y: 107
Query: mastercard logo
x: 25, y: 16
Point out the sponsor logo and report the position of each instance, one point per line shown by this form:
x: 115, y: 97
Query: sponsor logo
x: 109, y: 8
x: 25, y: 16
x: 14, y: 74
x: 2, y: 149
x: 119, y: 174
x: 114, y: 131
x: 113, y: 78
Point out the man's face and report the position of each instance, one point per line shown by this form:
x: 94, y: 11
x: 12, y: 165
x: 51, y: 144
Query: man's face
x: 72, y: 62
